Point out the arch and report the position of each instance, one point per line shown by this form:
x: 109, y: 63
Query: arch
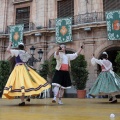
x: 51, y: 52
x: 104, y: 47
x: 112, y: 52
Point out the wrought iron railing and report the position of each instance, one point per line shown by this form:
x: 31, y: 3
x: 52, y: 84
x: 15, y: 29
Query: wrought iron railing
x: 29, y: 27
x: 83, y: 18
x: 25, y: 22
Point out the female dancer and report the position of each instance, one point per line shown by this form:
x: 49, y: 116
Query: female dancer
x: 23, y: 81
x: 107, y: 83
x: 61, y: 79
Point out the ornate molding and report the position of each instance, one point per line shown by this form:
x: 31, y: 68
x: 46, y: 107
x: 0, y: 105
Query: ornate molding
x: 89, y: 42
x: 21, y: 1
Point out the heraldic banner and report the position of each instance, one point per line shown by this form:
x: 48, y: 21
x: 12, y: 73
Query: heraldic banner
x: 63, y: 30
x: 16, y: 34
x: 113, y: 24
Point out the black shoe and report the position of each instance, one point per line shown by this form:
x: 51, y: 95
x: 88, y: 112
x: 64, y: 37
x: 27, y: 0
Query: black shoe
x: 111, y: 98
x: 114, y: 101
x: 28, y: 99
x: 92, y: 95
x: 22, y: 104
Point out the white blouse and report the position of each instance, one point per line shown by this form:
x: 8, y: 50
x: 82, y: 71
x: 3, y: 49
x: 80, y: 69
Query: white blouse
x: 65, y: 57
x: 15, y: 52
x: 106, y: 63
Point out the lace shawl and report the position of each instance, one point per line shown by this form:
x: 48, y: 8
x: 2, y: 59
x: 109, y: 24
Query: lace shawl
x: 24, y: 56
x: 106, y: 63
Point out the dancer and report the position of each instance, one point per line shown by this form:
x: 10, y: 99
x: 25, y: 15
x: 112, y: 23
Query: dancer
x: 108, y: 82
x: 23, y: 81
x: 61, y: 79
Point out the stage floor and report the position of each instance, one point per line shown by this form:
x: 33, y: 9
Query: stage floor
x: 73, y: 109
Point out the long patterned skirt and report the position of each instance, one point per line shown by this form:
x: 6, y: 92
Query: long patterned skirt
x: 24, y: 81
x: 106, y: 84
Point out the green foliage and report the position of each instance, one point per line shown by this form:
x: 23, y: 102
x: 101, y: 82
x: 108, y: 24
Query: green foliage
x: 52, y: 64
x: 117, y: 60
x: 4, y: 73
x: 44, y: 69
x: 79, y: 72
x: 48, y: 68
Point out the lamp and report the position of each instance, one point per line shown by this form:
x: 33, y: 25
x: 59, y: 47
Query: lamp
x: 40, y: 53
x: 33, y: 60
x: 32, y: 49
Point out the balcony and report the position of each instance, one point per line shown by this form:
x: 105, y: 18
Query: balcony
x: 21, y: 1
x: 27, y: 27
x: 30, y: 27
x: 83, y: 19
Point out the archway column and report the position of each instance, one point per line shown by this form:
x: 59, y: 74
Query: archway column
x: 89, y: 45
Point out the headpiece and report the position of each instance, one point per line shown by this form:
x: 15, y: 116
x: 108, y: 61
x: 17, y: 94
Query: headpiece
x: 105, y: 53
x: 62, y: 45
x: 21, y: 43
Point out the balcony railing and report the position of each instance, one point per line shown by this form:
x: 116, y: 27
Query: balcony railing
x: 21, y: 1
x: 83, y: 18
x: 28, y: 27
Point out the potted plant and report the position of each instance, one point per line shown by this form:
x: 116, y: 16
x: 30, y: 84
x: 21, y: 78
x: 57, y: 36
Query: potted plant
x: 79, y: 75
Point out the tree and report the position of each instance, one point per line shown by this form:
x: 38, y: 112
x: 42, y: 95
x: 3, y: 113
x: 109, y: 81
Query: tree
x: 52, y: 64
x: 4, y: 73
x: 117, y: 60
x: 79, y: 72
x: 44, y: 69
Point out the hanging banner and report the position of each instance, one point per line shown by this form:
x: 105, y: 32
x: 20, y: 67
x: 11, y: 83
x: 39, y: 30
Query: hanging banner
x: 113, y: 24
x: 16, y: 34
x: 63, y: 30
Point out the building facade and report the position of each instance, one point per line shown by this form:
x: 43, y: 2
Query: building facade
x: 88, y: 27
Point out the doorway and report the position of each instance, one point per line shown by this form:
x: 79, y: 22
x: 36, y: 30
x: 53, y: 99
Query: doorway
x: 112, y: 53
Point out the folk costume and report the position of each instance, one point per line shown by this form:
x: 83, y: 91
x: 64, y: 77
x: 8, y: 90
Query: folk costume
x: 107, y: 82
x: 62, y: 76
x: 23, y: 81
x: 61, y: 79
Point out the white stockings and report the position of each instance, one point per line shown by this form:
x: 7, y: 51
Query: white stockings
x: 58, y: 91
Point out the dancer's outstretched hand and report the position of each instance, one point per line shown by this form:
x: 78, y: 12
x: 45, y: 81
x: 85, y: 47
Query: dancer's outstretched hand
x: 82, y: 47
x: 10, y: 43
x: 92, y: 55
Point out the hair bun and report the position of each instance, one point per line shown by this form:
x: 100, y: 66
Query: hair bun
x: 21, y: 43
x: 105, y: 53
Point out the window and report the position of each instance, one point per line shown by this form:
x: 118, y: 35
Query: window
x: 22, y: 17
x: 65, y: 8
x: 111, y: 5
